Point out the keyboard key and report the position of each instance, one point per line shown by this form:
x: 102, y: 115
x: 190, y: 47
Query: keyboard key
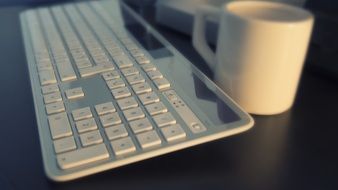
x: 101, y: 58
x: 110, y: 119
x: 74, y: 93
x: 44, y: 66
x: 55, y: 107
x: 131, y: 46
x: 123, y: 146
x: 50, y: 88
x: 123, y: 61
x: 86, y: 125
x: 148, y: 67
x: 83, y: 63
x: 127, y: 103
x: 140, y: 125
x: 64, y: 144
x: 126, y: 40
x: 142, y: 60
x: 130, y: 71
x: 141, y: 88
x: 53, y: 97
x: 173, y: 133
x: 82, y: 156
x: 132, y: 114
x: 156, y: 108
x: 115, y: 83
x: 66, y: 71
x: 149, y: 98
x: 155, y: 74
x: 116, y: 132
x: 121, y: 92
x: 115, y: 52
x: 161, y: 83
x: 110, y: 75
x: 81, y: 113
x: 89, y: 71
x: 136, y: 53
x: 149, y: 139
x: 164, y: 119
x: 105, y: 108
x: 47, y: 77
x: 134, y: 79
x: 90, y: 138
x: 59, y: 125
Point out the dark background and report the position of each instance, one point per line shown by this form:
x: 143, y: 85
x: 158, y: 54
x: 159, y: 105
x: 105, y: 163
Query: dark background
x: 293, y: 150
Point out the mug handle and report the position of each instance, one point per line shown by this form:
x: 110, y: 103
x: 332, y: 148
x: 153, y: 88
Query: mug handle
x: 199, y: 40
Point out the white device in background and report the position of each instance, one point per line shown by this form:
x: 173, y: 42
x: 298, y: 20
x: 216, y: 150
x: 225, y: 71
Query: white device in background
x: 179, y: 14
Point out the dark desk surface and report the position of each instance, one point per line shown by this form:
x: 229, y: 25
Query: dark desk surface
x: 294, y: 150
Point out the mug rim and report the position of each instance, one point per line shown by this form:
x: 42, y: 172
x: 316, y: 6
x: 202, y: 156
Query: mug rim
x: 306, y: 15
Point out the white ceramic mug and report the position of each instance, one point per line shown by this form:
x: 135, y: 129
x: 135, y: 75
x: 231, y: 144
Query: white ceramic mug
x: 260, y: 52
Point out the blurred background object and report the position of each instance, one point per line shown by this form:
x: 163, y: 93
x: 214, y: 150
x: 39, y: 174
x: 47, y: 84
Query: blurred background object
x: 323, y: 52
x: 27, y: 2
x: 179, y: 14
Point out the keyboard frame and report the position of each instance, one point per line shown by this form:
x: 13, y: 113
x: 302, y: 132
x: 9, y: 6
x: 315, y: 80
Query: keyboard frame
x: 214, y: 132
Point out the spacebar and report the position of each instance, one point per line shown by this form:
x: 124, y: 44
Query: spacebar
x: 82, y: 156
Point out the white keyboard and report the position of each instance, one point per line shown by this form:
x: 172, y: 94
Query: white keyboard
x: 101, y: 99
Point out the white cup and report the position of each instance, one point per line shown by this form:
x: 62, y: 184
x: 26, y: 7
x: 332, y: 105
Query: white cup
x: 260, y: 52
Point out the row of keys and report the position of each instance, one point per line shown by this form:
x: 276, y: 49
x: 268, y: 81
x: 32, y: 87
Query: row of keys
x: 95, y: 49
x: 56, y: 96
x: 121, y: 146
x: 57, y: 48
x: 42, y: 58
x: 123, y: 61
x: 76, y: 49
